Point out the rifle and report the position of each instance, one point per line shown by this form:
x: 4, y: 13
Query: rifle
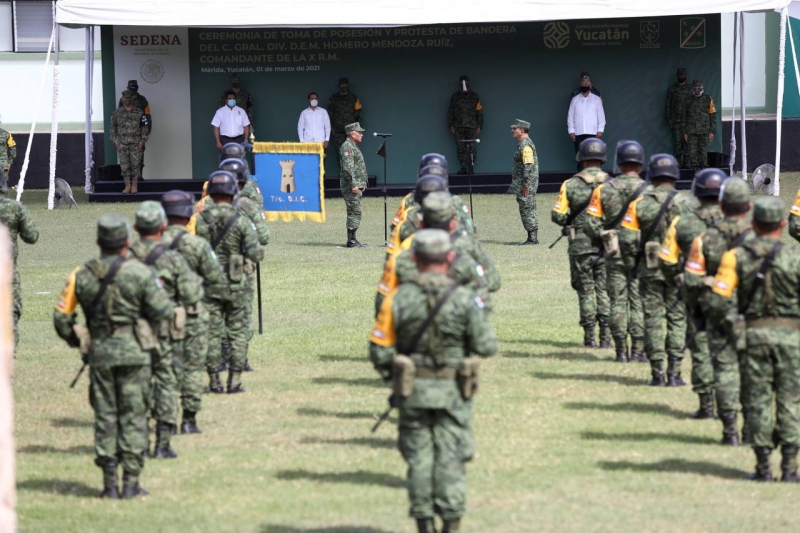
x: 393, y: 402
x: 258, y: 288
x: 78, y: 376
x: 564, y: 233
x: 646, y: 237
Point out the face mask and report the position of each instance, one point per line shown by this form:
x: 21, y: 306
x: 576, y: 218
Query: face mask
x: 585, y: 90
x: 681, y: 79
x: 231, y: 103
x: 314, y: 103
x: 234, y: 84
x: 698, y: 92
x: 126, y: 103
x: 464, y: 86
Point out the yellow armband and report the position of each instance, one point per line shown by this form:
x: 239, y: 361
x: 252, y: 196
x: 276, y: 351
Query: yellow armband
x: 562, y: 203
x: 726, y: 280
x: 696, y: 262
x: 631, y: 219
x: 68, y: 301
x: 670, y: 251
x: 383, y: 333
x: 595, y: 208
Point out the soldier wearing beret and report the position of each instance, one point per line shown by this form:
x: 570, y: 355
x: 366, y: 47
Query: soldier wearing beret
x: 465, y: 118
x: 678, y: 96
x: 699, y: 124
x: 525, y: 179
x: 344, y: 108
x: 130, y: 128
x: 353, y: 180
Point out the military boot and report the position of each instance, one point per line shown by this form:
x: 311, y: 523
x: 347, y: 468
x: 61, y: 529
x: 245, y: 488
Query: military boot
x: 425, y: 525
x: 163, y: 435
x: 110, y: 488
x: 127, y: 188
x: 189, y: 423
x: 351, y: 239
x: 605, y: 335
x: 763, y: 472
x: 789, y: 465
x: 451, y: 525
x: 588, y: 337
x: 135, y: 187
x: 235, y: 382
x: 214, y: 383
x: 131, y: 487
x: 532, y: 238
x: 747, y: 437
x: 674, y: 378
x: 657, y: 372
x: 637, y: 350
x: 730, y: 433
x: 706, y: 409
x: 621, y: 347
x: 247, y: 367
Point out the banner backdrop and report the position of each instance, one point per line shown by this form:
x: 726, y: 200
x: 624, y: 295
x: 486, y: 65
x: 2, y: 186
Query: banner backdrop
x: 291, y: 179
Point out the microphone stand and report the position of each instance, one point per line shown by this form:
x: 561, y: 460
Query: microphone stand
x: 382, y: 152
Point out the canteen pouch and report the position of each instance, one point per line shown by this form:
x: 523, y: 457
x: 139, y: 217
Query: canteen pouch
x: 194, y: 309
x: 236, y: 268
x: 145, y: 335
x: 573, y: 234
x: 177, y: 325
x: 651, y: 250
x: 403, y: 370
x: 610, y: 242
x: 467, y: 377
x: 84, y: 339
x: 249, y: 266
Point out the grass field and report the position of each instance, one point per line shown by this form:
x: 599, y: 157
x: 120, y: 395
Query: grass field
x: 567, y: 440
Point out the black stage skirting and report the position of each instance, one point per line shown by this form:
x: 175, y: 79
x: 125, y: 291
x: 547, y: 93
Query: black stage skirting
x: 69, y: 161
x: 761, y: 136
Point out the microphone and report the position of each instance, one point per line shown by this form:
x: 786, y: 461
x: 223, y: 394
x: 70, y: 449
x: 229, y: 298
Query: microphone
x: 477, y: 141
x: 381, y: 134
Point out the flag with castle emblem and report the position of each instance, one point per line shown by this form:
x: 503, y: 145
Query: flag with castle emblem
x: 290, y: 176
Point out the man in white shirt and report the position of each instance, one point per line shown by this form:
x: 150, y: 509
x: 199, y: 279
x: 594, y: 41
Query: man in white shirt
x: 314, y: 125
x: 231, y: 124
x: 586, y: 117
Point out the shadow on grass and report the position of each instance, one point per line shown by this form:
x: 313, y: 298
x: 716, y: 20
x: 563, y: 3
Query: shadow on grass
x: 504, y: 243
x: 554, y: 344
x: 361, y: 382
x: 71, y: 423
x: 676, y: 466
x: 46, y: 448
x: 599, y: 378
x: 628, y: 407
x: 347, y: 415
x: 331, y: 529
x: 359, y: 477
x: 321, y: 244
x: 649, y: 437
x: 59, y: 486
x: 343, y: 359
x: 385, y: 443
x: 560, y: 356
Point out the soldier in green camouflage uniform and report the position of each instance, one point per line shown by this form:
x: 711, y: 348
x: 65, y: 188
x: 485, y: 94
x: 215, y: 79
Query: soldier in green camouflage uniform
x: 465, y: 118
x: 179, y: 207
x: 235, y: 241
x: 606, y: 210
x: 19, y: 223
x: 184, y: 289
x: 702, y: 264
x: 139, y: 101
x: 525, y: 179
x: 765, y: 274
x: 699, y: 125
x: 243, y: 98
x: 343, y: 108
x: 8, y: 151
x: 119, y: 359
x: 646, y: 222
x: 435, y: 416
x: 678, y: 95
x: 129, y: 132
x: 353, y: 180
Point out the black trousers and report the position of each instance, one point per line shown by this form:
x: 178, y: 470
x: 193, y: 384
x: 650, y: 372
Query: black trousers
x: 578, y: 140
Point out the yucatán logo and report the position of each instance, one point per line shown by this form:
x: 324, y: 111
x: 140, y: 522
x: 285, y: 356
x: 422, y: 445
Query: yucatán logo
x: 556, y: 35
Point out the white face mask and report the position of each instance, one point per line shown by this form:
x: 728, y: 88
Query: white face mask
x: 314, y: 103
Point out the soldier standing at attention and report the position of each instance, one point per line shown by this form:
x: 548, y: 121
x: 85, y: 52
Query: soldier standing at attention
x: 343, y: 108
x: 8, y: 151
x: 588, y: 277
x: 18, y: 221
x: 129, y: 131
x: 525, y: 179
x: 700, y: 124
x: 243, y: 99
x: 353, y: 180
x: 763, y: 275
x: 678, y: 95
x: 115, y: 294
x: 140, y: 102
x: 422, y: 340
x: 465, y: 118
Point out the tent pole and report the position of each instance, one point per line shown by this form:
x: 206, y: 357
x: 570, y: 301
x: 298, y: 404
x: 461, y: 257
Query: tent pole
x: 51, y: 192
x: 743, y: 123
x: 87, y: 143
x: 732, y: 161
x: 779, y: 110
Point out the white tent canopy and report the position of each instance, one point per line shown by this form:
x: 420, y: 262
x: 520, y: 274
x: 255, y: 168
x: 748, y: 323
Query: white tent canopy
x: 260, y: 13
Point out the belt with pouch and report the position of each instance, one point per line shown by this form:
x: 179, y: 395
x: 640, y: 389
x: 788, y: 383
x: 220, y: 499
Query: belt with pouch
x: 434, y: 373
x: 121, y: 330
x: 775, y: 322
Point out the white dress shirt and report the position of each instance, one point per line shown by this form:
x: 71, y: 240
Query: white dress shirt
x: 586, y: 116
x: 314, y: 126
x: 230, y: 121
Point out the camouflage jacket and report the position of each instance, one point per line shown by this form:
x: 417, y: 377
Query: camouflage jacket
x: 343, y: 109
x: 571, y: 205
x: 254, y: 214
x: 129, y: 127
x: 458, y: 330
x: 681, y: 234
x: 465, y: 110
x: 184, y: 288
x: 794, y: 218
x: 8, y: 149
x: 240, y: 242
x: 141, y: 102
x: 412, y: 218
x: 19, y: 222
x: 605, y: 207
x: 243, y: 100
x: 253, y: 191
x: 700, y: 115
x: 677, y: 97
x: 353, y: 168
x: 134, y: 293
x: 201, y: 260
x: 525, y: 170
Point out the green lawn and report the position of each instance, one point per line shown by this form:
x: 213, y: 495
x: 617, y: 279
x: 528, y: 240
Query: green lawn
x: 567, y: 439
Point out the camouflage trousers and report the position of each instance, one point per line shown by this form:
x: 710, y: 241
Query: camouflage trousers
x: 463, y: 148
x: 352, y: 203
x: 679, y: 146
x: 228, y: 317
x: 119, y: 397
x: 627, y: 316
x: 436, y: 443
x: 657, y: 297
x: 193, y: 359
x: 527, y: 210
x: 166, y: 368
x: 698, y: 150
x: 702, y: 367
x: 772, y: 372
x: 17, y: 283
x: 130, y: 161
x: 728, y: 386
x: 590, y: 284
x: 250, y: 296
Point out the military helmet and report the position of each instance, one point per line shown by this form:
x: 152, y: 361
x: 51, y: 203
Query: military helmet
x: 237, y: 167
x: 708, y: 182
x: 433, y: 159
x: 591, y: 149
x: 427, y: 184
x: 663, y: 166
x: 734, y: 193
x: 222, y: 182
x: 630, y: 152
x: 434, y: 170
x: 178, y: 204
x: 233, y: 150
